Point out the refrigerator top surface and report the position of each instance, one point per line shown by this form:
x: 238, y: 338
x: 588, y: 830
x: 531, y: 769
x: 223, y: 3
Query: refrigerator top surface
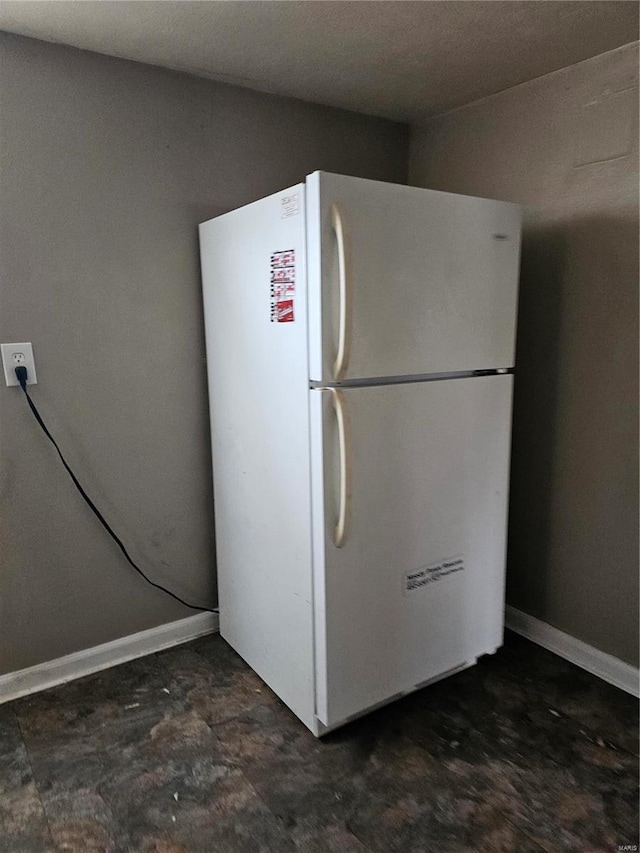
x: 319, y: 174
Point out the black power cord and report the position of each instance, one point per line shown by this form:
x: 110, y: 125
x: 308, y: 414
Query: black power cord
x: 21, y: 373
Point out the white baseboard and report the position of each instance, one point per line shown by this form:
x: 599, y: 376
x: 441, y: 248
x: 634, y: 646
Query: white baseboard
x: 58, y: 671
x: 51, y: 673
x: 599, y: 663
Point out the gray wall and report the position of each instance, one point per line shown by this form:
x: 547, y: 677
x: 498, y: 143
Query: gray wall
x: 565, y: 145
x: 107, y: 167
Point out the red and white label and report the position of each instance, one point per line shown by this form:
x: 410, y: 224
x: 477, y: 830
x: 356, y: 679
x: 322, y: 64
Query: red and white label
x: 288, y: 274
x: 284, y: 291
x: 283, y: 286
x: 284, y: 311
x: 287, y: 258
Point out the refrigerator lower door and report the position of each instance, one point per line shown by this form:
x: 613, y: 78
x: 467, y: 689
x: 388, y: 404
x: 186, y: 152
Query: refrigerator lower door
x: 409, y: 505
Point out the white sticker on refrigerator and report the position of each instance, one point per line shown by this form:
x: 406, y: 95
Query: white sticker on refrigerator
x: 423, y: 577
x: 289, y: 206
x: 283, y: 286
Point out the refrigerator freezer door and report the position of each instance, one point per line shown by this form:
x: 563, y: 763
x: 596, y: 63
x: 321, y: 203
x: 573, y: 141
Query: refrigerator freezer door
x: 417, y: 586
x: 408, y: 281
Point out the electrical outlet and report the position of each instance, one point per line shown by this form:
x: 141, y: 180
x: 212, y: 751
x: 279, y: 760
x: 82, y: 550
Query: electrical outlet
x: 16, y: 355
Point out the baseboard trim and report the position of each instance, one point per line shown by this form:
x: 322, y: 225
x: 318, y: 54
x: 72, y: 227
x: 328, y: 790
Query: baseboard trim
x: 599, y: 663
x: 23, y: 682
x: 51, y: 673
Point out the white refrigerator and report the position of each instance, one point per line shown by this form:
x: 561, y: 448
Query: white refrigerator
x: 360, y: 350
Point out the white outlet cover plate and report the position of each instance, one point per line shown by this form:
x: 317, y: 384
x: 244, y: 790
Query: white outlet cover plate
x: 12, y: 356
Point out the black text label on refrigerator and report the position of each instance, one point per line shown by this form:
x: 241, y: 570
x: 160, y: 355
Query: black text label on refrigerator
x: 426, y: 575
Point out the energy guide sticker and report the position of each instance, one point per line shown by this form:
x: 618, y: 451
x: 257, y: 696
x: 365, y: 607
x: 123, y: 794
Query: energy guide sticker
x: 283, y: 286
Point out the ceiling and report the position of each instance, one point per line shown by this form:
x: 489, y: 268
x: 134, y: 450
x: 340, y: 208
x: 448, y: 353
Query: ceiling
x: 401, y: 60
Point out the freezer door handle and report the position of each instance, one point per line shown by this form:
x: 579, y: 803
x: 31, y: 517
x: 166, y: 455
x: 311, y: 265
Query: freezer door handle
x: 341, y: 531
x: 344, y: 307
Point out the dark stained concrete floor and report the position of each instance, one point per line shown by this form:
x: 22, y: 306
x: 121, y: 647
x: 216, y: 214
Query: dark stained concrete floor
x: 187, y: 751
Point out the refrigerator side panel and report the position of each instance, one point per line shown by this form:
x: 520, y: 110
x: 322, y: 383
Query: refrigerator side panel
x: 412, y: 281
x: 253, y: 269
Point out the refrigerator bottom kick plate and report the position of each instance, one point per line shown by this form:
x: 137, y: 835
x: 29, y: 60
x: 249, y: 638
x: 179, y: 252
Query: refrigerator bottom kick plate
x: 319, y: 729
